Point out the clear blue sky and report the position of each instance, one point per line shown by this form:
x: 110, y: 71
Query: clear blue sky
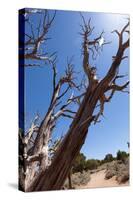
x: 112, y: 133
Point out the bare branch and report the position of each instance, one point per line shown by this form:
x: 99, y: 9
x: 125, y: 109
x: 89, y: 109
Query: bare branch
x: 33, y: 42
x: 92, y: 46
x: 54, y: 75
x: 102, y: 101
x: 62, y: 109
x: 124, y: 57
x: 77, y: 99
x: 120, y: 34
x: 63, y: 93
x: 113, y: 71
x: 66, y: 115
x: 117, y: 32
x: 70, y: 111
x: 32, y: 129
x: 118, y: 87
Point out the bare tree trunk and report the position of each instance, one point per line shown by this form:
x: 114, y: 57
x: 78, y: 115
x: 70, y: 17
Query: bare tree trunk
x: 70, y: 180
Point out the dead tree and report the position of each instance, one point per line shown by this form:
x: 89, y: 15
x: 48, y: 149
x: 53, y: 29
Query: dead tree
x: 34, y: 143
x: 36, y: 140
x: 95, y: 94
x: 37, y: 173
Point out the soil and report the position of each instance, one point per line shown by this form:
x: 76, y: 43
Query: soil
x: 98, y: 180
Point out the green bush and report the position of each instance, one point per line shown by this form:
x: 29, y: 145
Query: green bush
x: 81, y: 164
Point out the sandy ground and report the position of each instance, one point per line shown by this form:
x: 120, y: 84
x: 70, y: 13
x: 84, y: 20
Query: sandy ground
x: 97, y: 180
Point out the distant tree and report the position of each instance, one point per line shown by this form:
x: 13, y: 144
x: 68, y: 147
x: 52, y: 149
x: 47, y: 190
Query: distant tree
x: 122, y: 155
x: 79, y: 163
x: 108, y: 158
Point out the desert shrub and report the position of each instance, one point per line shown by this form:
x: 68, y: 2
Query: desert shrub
x: 78, y: 179
x: 119, y: 169
x: 110, y: 174
x: 123, y: 177
x: 123, y: 171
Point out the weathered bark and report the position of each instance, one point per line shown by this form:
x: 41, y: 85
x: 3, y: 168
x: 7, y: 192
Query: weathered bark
x: 40, y: 148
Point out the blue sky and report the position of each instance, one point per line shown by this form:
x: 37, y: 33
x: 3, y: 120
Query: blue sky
x: 112, y: 133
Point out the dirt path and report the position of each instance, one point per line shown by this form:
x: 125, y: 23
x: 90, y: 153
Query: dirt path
x: 97, y: 180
